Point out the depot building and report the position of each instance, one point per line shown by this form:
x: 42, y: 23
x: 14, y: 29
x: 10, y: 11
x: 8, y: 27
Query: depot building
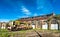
x: 47, y: 21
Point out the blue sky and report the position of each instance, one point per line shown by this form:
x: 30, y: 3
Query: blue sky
x: 14, y: 9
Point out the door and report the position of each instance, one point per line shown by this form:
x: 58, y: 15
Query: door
x: 45, y: 26
x: 33, y: 26
x: 54, y: 26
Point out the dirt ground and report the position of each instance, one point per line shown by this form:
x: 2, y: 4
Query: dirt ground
x: 38, y: 33
x: 33, y: 33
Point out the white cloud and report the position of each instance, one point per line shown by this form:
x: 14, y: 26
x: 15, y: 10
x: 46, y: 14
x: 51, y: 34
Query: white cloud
x: 35, y: 14
x: 25, y: 11
x: 4, y: 20
x: 42, y: 14
x: 23, y: 16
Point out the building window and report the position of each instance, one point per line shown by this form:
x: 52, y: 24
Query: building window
x: 33, y: 23
x: 38, y: 22
x: 53, y: 21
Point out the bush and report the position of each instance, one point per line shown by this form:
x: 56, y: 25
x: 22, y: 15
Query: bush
x: 3, y: 30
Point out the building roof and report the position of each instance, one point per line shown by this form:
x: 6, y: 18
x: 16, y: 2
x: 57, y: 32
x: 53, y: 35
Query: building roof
x: 36, y: 17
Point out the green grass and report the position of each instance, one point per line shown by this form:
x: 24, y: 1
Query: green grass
x: 6, y: 33
x: 55, y: 31
x: 3, y: 30
x: 3, y: 33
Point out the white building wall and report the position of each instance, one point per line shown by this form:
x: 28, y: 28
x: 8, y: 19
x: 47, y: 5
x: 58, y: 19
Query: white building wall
x: 54, y: 26
x: 33, y: 26
x: 45, y: 26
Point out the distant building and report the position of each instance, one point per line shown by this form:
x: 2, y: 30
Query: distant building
x: 3, y: 25
x: 42, y: 22
x: 10, y: 23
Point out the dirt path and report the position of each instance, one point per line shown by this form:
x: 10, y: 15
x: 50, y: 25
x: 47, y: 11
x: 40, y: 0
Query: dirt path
x: 34, y: 33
